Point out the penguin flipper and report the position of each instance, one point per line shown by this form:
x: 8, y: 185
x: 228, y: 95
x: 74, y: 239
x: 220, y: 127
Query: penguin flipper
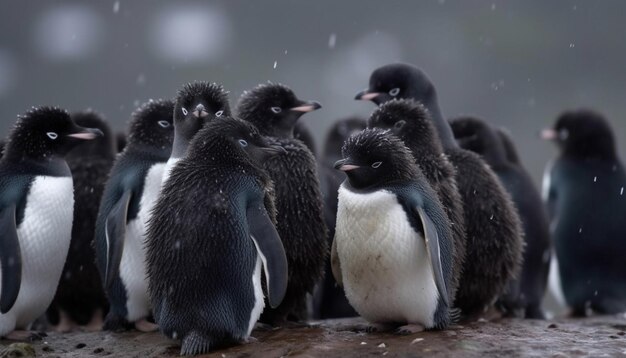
x: 270, y: 247
x: 335, y: 264
x: 115, y: 230
x: 10, y: 259
x: 432, y: 243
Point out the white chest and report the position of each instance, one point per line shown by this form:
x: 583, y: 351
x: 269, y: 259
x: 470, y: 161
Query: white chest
x: 132, y: 266
x: 384, y: 262
x: 44, y: 235
x: 171, y: 163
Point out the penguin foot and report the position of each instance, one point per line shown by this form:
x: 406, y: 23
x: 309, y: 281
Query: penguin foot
x: 96, y: 323
x: 25, y: 336
x: 409, y: 329
x: 378, y: 328
x: 265, y: 327
x: 66, y: 324
x: 144, y: 326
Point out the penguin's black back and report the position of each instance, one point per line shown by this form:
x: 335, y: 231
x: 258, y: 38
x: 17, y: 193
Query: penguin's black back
x: 300, y: 225
x: 200, y: 255
x: 80, y: 291
x: 525, y: 294
x: 493, y: 232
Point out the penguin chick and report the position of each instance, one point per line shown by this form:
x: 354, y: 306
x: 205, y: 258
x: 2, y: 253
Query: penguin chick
x: 411, y: 122
x: 524, y: 295
x: 393, y: 246
x: 494, y: 243
x: 302, y: 133
x: 211, y: 232
x: 127, y: 201
x: 329, y: 300
x: 36, y: 212
x: 80, y: 299
x: 584, y: 190
x: 274, y: 109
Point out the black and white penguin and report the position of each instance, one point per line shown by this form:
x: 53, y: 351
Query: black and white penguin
x: 524, y: 295
x: 197, y: 103
x: 211, y: 233
x: 493, y: 228
x: 393, y: 243
x: 329, y: 299
x: 36, y: 212
x: 80, y: 299
x: 585, y: 192
x: 274, y: 109
x: 127, y: 201
x: 410, y: 122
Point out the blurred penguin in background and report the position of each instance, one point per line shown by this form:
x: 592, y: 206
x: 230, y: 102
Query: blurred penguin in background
x: 524, y: 295
x: 584, y: 192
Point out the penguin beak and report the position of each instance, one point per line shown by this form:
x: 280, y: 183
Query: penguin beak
x: 366, y: 96
x: 307, y: 107
x: 200, y: 112
x: 345, y: 166
x: 274, y: 150
x: 549, y: 134
x: 87, y: 134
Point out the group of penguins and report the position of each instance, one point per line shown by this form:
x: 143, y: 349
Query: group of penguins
x: 210, y: 223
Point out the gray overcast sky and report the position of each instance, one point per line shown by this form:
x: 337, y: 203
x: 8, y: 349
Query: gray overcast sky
x: 516, y: 63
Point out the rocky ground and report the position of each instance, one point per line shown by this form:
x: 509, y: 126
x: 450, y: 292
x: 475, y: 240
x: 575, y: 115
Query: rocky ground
x: 597, y: 336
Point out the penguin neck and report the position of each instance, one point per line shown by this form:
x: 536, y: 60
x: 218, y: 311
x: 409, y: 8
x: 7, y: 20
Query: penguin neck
x: 443, y: 127
x: 51, y: 165
x: 181, y: 143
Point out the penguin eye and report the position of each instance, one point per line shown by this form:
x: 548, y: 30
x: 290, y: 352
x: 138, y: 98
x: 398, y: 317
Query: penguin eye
x: 399, y: 124
x: 52, y: 135
x: 243, y: 143
x: 164, y: 124
x: 184, y: 111
x: 375, y: 165
x: 276, y: 109
x: 394, y: 92
x: 563, y: 134
x: 219, y: 113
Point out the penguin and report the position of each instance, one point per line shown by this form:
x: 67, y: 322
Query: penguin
x: 302, y: 133
x: 509, y: 148
x: 410, y: 121
x: 120, y: 141
x: 329, y: 300
x: 585, y: 195
x: 274, y: 109
x: 36, y: 211
x: 80, y: 299
x: 211, y: 234
x: 494, y: 236
x: 524, y: 296
x: 197, y: 103
x: 129, y: 195
x: 393, y: 246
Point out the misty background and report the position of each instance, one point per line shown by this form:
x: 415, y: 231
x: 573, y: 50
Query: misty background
x: 517, y: 64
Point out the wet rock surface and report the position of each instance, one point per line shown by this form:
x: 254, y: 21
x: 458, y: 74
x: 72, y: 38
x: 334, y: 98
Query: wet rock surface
x: 565, y: 337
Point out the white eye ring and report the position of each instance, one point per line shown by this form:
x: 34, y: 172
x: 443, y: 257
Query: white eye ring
x: 219, y: 113
x: 276, y: 109
x: 52, y: 135
x: 375, y: 165
x: 164, y: 124
x: 243, y: 143
x: 184, y: 111
x: 399, y: 124
x: 394, y: 91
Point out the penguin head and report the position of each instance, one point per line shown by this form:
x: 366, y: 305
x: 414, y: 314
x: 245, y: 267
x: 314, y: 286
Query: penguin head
x: 274, y: 109
x: 476, y: 135
x: 151, y: 125
x: 582, y: 133
x: 198, y: 103
x: 46, y: 132
x: 339, y: 132
x: 407, y: 119
x: 375, y: 157
x: 232, y: 140
x: 103, y: 146
x: 396, y: 81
